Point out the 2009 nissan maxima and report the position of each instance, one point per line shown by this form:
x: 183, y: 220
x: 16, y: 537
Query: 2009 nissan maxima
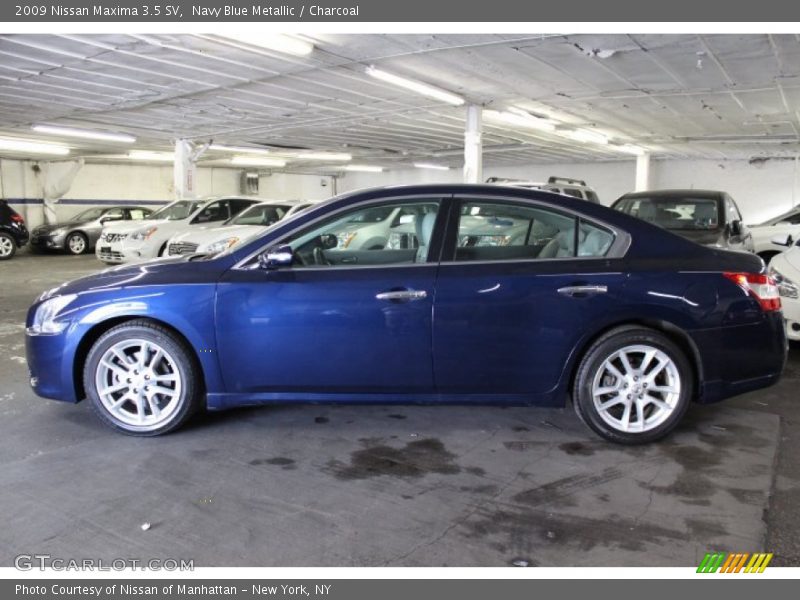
x: 486, y: 295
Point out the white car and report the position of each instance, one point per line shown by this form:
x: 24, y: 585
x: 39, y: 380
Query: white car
x: 147, y: 239
x: 778, y: 227
x: 565, y: 186
x: 785, y: 269
x: 248, y: 224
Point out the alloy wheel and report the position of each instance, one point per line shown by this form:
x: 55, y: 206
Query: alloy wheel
x: 636, y: 388
x: 139, y: 384
x: 6, y: 246
x: 77, y: 245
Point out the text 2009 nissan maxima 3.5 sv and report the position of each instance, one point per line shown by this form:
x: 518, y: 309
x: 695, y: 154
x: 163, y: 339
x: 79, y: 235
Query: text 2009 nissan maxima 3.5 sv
x: 490, y: 296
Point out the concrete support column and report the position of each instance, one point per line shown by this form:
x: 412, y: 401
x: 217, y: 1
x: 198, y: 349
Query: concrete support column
x: 473, y: 146
x: 185, y: 170
x: 642, y: 172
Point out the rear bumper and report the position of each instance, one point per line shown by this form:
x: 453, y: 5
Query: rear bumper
x: 740, y: 358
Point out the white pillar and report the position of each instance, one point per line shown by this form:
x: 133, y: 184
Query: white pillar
x: 643, y: 172
x: 473, y: 148
x: 185, y: 171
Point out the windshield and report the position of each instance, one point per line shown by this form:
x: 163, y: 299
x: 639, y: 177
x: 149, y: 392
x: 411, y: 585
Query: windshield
x: 674, y: 213
x: 176, y: 211
x: 260, y: 214
x: 89, y: 215
x: 793, y: 217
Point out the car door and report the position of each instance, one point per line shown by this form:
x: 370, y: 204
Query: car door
x: 739, y: 236
x: 518, y: 286
x: 338, y: 320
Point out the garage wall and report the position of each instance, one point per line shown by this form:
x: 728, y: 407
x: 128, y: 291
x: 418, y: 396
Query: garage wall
x: 761, y: 189
x: 105, y: 183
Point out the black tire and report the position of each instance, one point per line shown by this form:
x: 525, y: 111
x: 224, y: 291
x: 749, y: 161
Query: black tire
x: 76, y: 243
x: 8, y: 247
x: 591, y: 364
x: 191, y: 395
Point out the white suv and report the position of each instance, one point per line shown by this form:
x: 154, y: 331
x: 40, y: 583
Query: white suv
x: 780, y: 226
x: 248, y: 224
x: 147, y: 239
x: 565, y: 186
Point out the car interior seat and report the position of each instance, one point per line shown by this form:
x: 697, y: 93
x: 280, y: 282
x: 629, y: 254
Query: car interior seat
x: 424, y: 227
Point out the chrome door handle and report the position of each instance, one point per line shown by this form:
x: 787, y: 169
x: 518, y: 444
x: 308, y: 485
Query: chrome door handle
x: 582, y: 290
x: 402, y: 295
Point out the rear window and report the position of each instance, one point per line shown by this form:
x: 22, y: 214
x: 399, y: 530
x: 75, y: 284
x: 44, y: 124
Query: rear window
x: 680, y: 214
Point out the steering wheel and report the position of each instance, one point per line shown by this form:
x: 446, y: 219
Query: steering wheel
x: 319, y: 257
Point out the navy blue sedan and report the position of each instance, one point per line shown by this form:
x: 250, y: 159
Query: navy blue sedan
x: 455, y: 294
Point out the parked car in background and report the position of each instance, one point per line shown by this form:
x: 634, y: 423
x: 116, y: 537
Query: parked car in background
x: 239, y: 229
x: 778, y: 227
x: 13, y: 233
x: 707, y: 217
x: 80, y: 233
x: 623, y: 327
x: 567, y: 186
x: 785, y: 269
x: 148, y: 239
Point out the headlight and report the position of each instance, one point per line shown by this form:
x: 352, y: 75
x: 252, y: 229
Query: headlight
x: 222, y: 245
x: 344, y: 239
x: 401, y: 241
x: 144, y: 234
x: 44, y: 321
x: 786, y: 287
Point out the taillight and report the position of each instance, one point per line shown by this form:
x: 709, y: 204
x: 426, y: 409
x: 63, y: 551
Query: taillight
x: 762, y: 287
x: 17, y: 218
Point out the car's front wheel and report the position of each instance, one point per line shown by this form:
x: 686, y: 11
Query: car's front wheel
x: 142, y: 379
x: 633, y: 385
x: 7, y: 246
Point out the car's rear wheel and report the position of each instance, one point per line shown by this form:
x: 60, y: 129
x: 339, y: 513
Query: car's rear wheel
x: 8, y: 246
x: 633, y: 385
x: 142, y: 379
x: 76, y: 243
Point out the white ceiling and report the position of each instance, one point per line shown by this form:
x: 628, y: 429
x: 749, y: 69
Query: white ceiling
x: 715, y: 96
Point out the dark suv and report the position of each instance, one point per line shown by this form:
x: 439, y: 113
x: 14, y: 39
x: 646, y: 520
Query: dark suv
x: 707, y: 217
x: 13, y: 233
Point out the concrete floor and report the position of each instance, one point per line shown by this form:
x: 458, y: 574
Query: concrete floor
x: 364, y: 486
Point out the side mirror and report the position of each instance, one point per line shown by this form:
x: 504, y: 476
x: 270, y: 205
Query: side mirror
x: 736, y: 228
x: 277, y: 256
x: 783, y: 240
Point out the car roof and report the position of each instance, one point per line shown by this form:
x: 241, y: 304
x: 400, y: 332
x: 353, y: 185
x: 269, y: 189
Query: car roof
x: 676, y: 193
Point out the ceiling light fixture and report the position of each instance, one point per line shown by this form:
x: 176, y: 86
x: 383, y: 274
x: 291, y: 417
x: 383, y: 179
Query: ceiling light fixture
x: 151, y: 155
x: 26, y: 147
x: 422, y: 165
x: 238, y: 149
x: 278, y: 42
x: 416, y: 86
x: 364, y: 168
x: 518, y: 120
x: 584, y: 135
x: 333, y: 156
x: 88, y: 134
x: 257, y: 161
x: 629, y: 149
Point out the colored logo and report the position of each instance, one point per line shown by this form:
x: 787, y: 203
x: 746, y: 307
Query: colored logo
x: 734, y: 562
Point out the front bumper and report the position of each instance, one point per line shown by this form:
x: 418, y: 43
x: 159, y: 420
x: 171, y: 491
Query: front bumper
x: 122, y: 251
x: 791, y: 316
x: 47, y: 241
x: 50, y: 367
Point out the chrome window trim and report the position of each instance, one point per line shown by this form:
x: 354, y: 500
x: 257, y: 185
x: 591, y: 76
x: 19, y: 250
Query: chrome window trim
x: 617, y: 250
